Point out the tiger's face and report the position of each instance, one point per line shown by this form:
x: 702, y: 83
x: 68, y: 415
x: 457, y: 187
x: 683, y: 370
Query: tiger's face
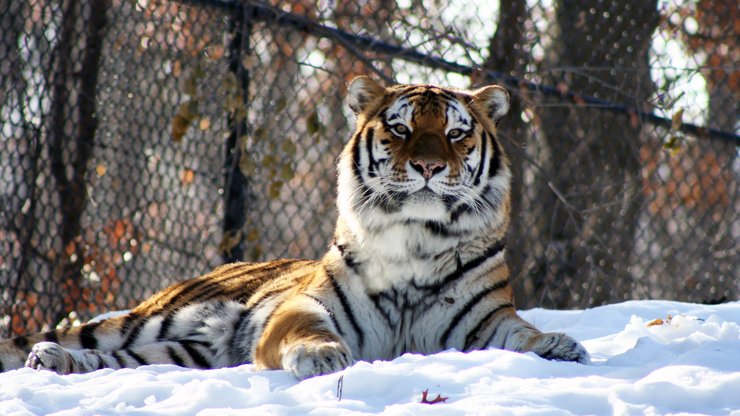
x: 425, y: 153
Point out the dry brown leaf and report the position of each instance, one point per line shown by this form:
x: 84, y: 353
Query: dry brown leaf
x: 655, y: 322
x: 677, y: 120
x: 100, y: 170
x: 205, y: 123
x: 188, y: 175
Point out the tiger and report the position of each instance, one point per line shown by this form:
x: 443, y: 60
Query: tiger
x: 416, y: 265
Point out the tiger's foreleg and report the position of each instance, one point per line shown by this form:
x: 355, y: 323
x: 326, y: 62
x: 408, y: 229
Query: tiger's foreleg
x: 301, y: 338
x: 54, y: 357
x: 510, y: 332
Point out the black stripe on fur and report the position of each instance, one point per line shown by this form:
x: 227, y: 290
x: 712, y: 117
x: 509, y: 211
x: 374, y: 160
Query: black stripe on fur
x: 491, y: 251
x: 195, y: 355
x: 473, y: 335
x: 87, y: 336
x: 51, y: 336
x: 469, y: 307
x: 346, y: 307
x: 121, y: 362
x: 138, y: 358
x: 483, y: 148
x: 175, y: 357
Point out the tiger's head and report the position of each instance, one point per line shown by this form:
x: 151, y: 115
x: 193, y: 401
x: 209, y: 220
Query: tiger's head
x: 424, y: 154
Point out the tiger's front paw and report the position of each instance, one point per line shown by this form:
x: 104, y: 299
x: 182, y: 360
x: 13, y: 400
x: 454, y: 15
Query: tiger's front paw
x: 561, y: 347
x: 312, y: 359
x: 50, y: 356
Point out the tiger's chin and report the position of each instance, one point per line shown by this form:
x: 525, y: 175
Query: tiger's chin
x: 425, y: 205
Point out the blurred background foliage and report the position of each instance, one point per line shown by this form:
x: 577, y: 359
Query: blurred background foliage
x: 144, y: 142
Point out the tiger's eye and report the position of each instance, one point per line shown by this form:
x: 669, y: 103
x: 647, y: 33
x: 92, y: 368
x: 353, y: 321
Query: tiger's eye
x: 455, y: 134
x: 399, y: 130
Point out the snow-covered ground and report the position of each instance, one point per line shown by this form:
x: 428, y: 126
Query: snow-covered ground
x: 689, y: 364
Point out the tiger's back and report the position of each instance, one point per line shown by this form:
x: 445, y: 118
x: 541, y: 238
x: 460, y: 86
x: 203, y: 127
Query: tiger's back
x: 417, y: 263
x: 240, y: 282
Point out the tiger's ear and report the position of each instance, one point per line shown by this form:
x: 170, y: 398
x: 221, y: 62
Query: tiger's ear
x: 361, y: 92
x: 492, y: 100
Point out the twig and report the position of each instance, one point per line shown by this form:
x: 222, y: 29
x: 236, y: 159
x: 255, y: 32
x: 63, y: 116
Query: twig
x: 340, y: 385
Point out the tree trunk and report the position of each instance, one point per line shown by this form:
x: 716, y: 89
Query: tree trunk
x: 591, y: 199
x: 505, y: 55
x: 72, y: 136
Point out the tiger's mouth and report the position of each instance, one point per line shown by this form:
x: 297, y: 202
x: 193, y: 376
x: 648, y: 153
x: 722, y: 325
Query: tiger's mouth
x: 403, y: 193
x: 436, y: 190
x: 419, y: 191
x: 424, y: 204
x: 426, y: 193
x: 423, y: 199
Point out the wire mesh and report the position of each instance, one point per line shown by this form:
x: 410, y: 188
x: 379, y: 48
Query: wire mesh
x: 147, y: 142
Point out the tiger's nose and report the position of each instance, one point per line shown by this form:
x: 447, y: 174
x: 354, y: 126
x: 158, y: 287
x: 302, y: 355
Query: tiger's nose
x: 428, y: 168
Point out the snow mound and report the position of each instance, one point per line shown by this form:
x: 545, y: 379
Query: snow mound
x: 686, y: 363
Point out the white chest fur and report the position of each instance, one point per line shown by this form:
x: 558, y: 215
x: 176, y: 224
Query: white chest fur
x: 400, y: 254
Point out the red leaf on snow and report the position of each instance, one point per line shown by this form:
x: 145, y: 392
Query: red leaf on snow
x: 438, y: 399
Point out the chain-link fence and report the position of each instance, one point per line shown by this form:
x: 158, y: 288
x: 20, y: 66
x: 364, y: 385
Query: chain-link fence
x: 145, y: 142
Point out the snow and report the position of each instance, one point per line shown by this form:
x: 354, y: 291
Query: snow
x: 689, y: 364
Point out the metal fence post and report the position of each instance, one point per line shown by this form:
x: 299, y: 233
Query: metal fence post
x: 236, y: 185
